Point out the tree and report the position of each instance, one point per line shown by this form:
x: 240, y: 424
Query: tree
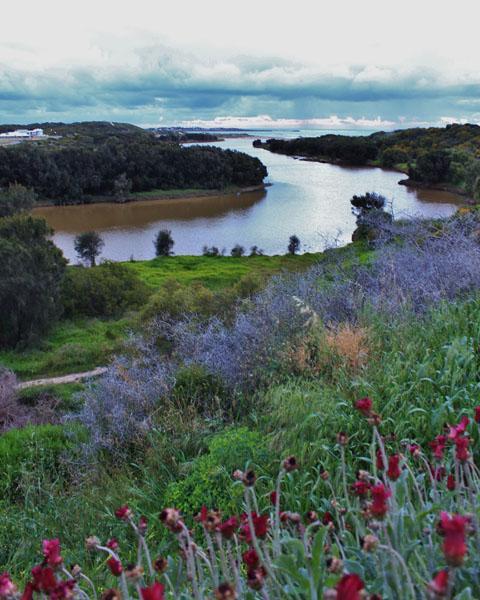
x: 293, y: 244
x: 31, y: 272
x: 371, y: 216
x: 256, y: 251
x: 237, y: 251
x: 16, y: 199
x: 122, y: 186
x: 164, y: 243
x: 88, y: 246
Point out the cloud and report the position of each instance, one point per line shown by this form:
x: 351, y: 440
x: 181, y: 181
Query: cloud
x: 165, y: 83
x: 267, y: 122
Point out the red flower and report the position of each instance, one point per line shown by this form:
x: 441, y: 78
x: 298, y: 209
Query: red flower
x: 260, y: 525
x: 154, y: 592
x: 113, y: 544
x: 459, y: 429
x: 414, y: 450
x: 461, y: 448
x: 360, y: 488
x: 379, y: 505
x: 450, y: 483
x: 380, y: 462
x: 438, y: 472
x: 452, y: 527
x: 273, y: 497
x: 51, y: 552
x: 43, y: 579
x: 477, y: 414
x: 7, y: 587
x: 393, y: 471
x: 327, y: 518
x: 28, y: 592
x: 438, y: 446
x: 439, y: 584
x: 124, y: 513
x: 364, y: 405
x: 349, y: 587
x: 228, y: 527
x: 64, y: 590
x: 250, y: 558
x: 115, y: 566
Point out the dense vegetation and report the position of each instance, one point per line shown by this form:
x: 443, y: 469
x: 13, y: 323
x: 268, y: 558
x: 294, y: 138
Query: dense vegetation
x: 98, y: 160
x: 379, y: 496
x: 448, y: 156
x: 31, y: 272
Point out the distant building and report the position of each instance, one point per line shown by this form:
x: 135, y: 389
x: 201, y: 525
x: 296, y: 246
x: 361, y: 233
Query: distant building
x: 23, y: 133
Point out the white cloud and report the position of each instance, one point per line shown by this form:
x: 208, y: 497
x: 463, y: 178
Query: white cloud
x: 267, y: 122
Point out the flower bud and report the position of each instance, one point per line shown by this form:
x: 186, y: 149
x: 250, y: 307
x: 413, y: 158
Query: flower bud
x: 370, y: 542
x: 290, y: 464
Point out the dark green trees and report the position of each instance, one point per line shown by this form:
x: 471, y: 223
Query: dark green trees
x: 164, y: 243
x: 15, y: 199
x: 31, y: 271
x: 88, y: 246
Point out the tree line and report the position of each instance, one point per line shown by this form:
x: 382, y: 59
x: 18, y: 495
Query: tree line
x: 77, y: 169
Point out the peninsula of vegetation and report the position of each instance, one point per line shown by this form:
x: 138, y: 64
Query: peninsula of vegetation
x: 92, y: 161
x: 444, y: 158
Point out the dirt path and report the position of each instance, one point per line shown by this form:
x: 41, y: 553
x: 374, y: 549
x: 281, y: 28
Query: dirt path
x: 70, y: 378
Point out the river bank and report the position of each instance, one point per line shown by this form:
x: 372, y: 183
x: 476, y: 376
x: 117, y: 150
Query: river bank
x: 174, y: 194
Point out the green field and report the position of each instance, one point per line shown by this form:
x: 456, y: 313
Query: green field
x: 74, y: 346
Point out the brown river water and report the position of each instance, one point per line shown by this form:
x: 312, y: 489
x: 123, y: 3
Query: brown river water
x: 311, y: 200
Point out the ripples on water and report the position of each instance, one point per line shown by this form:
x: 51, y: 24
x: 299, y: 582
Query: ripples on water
x: 309, y: 199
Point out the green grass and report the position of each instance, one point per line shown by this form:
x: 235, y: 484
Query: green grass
x: 70, y: 346
x: 218, y: 272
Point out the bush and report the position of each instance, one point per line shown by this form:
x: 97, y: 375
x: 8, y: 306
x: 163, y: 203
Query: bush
x: 108, y: 290
x: 32, y: 454
x: 237, y: 251
x: 209, y: 477
x: 164, y: 243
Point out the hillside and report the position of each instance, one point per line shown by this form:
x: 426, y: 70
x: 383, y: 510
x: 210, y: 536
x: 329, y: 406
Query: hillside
x: 342, y: 398
x: 446, y: 157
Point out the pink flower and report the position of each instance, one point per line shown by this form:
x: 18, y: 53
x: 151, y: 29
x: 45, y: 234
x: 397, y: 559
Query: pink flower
x: 459, y: 429
x: 113, y: 544
x: 450, y: 483
x: 7, y: 587
x: 51, y: 552
x: 349, y: 587
x: 154, y: 592
x: 414, y: 450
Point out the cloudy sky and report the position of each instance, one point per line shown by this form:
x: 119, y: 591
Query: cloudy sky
x: 318, y: 63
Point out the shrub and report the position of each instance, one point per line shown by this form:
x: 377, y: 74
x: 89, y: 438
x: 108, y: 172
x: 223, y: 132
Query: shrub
x: 237, y: 251
x: 211, y: 251
x: 209, y: 477
x: 32, y: 453
x: 108, y: 290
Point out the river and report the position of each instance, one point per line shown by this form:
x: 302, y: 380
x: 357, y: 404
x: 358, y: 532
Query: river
x: 311, y: 200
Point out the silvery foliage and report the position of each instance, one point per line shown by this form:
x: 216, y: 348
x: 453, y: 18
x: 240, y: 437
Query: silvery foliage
x: 117, y: 409
x: 417, y: 264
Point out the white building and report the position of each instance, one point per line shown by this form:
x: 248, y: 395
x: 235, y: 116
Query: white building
x: 23, y: 133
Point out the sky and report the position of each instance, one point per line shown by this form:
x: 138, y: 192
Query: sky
x: 252, y: 63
